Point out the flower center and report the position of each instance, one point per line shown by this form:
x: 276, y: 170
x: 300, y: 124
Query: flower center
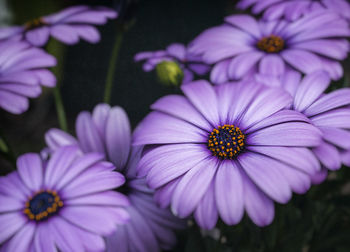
x: 42, y: 205
x: 35, y: 23
x: 226, y: 142
x: 271, y: 44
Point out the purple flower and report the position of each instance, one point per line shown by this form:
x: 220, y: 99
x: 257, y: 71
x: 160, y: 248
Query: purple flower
x: 65, y: 204
x: 22, y: 72
x: 220, y: 151
x: 328, y: 112
x: 189, y: 63
x: 294, y: 9
x: 67, y: 26
x: 244, y: 46
x: 107, y: 131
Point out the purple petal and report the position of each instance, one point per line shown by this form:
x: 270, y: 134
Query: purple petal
x: 255, y: 200
x: 334, y: 68
x: 59, y: 163
x: 283, y: 116
x: 310, y: 88
x: 163, y: 194
x: 300, y: 158
x: 57, y: 17
x: 241, y: 64
x: 99, y: 117
x: 88, y: 33
x: 158, y: 128
x: 339, y: 137
x: 168, y: 162
x: 339, y: 118
x: 345, y: 157
x: 65, y: 33
x: 219, y: 73
x: 56, y: 138
x: 202, y: 95
x: 118, y: 137
x: 266, y: 173
x: 30, y: 169
x: 302, y: 60
x: 92, y: 182
x: 206, y: 213
x: 10, y: 224
x: 229, y: 193
x: 46, y: 77
x: 22, y: 240
x: 9, y: 204
x: 21, y: 89
x: 177, y: 51
x: 328, y: 155
x: 92, y: 16
x: 287, y: 134
x: 108, y: 198
x: 100, y: 220
x: 7, y: 32
x: 87, y: 134
x: 300, y: 182
x: 192, y: 187
x: 180, y: 107
x: 329, y: 101
x: 272, y: 64
x: 43, y: 240
x: 245, y: 23
x: 39, y: 36
x: 13, y: 186
x: 79, y: 165
x: 268, y: 102
x: 13, y: 103
x: 319, y: 177
x: 336, y: 49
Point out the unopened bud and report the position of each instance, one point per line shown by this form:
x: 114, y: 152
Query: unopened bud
x: 169, y: 73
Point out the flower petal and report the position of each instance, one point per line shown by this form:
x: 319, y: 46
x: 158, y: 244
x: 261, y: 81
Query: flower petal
x: 30, y: 169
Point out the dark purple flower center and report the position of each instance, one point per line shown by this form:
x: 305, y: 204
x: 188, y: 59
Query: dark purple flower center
x: 271, y: 44
x: 42, y: 205
x: 35, y: 23
x: 226, y: 142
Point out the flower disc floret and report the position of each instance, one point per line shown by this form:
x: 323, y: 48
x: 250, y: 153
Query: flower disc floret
x: 35, y: 23
x: 226, y: 142
x: 42, y: 205
x: 271, y: 44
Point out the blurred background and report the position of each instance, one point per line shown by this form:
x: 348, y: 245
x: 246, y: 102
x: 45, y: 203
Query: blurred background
x: 317, y: 221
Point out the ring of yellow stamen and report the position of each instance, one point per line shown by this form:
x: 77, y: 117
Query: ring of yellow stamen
x: 42, y: 205
x: 226, y: 142
x: 271, y: 44
x: 35, y: 23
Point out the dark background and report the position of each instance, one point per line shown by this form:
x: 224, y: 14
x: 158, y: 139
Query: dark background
x: 317, y: 221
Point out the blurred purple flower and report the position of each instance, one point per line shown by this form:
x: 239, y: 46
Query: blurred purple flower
x: 244, y: 46
x: 328, y: 112
x: 22, y: 71
x: 65, y: 204
x: 218, y: 151
x: 189, y: 63
x: 67, y: 26
x: 294, y: 9
x: 107, y: 131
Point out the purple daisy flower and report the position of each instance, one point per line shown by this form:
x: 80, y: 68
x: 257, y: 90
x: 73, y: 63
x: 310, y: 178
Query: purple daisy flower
x: 64, y: 204
x: 328, y: 112
x: 22, y: 72
x: 294, y: 9
x: 67, y: 26
x: 107, y: 131
x: 244, y: 46
x: 189, y: 63
x: 220, y: 151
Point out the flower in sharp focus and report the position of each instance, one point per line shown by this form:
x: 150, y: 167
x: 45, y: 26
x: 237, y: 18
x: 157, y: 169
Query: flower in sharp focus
x: 218, y: 151
x: 67, y: 26
x: 65, y: 204
x: 107, y: 130
x: 329, y: 112
x: 22, y: 72
x: 189, y: 63
x: 294, y: 9
x: 244, y: 46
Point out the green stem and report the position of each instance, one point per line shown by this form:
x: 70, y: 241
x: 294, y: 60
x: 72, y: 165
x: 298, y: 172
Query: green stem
x: 61, y: 114
x: 112, y: 65
x: 6, y: 151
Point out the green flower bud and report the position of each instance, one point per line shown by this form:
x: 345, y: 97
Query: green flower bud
x: 169, y: 73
